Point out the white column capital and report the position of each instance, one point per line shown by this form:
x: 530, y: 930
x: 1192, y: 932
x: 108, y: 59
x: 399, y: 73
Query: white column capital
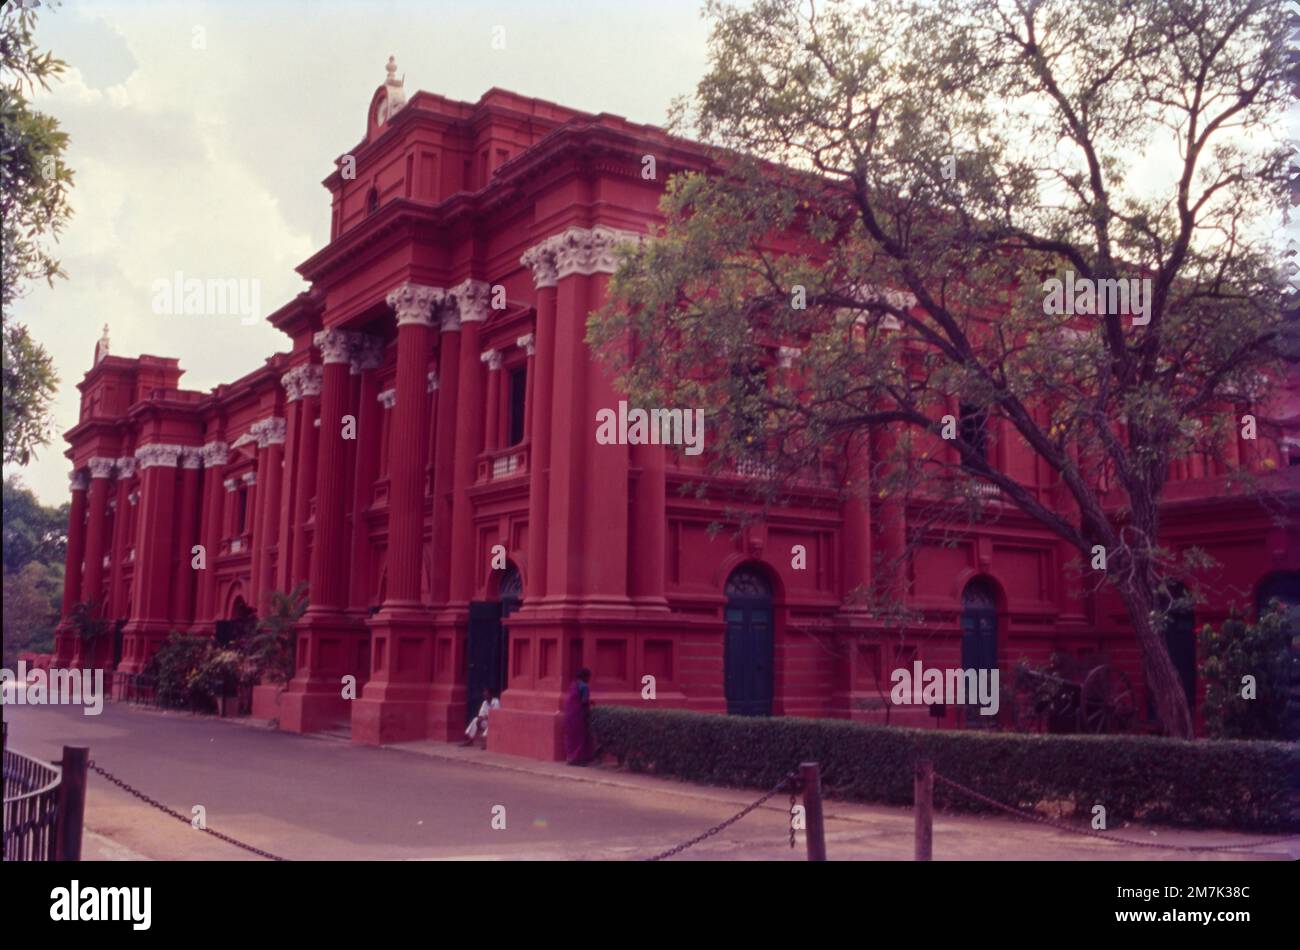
x: 387, y: 399
x: 529, y: 343
x: 472, y: 298
x: 415, y: 303
x: 101, y: 467
x: 215, y: 454
x: 79, y: 480
x: 168, y: 456
x: 125, y: 466
x: 492, y: 358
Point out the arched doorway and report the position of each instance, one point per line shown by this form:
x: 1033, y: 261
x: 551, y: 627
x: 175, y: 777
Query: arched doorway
x: 489, y: 640
x: 979, y: 635
x: 748, y: 680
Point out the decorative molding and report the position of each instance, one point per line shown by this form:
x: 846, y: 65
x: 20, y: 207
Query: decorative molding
x: 215, y: 454
x: 247, y: 438
x: 541, y: 261
x: 126, y: 467
x: 387, y: 399
x: 335, y: 346
x: 415, y: 303
x: 472, y: 298
x: 309, y: 384
x: 269, y: 431
x: 101, y: 467
x: 432, y: 377
x: 79, y: 480
x: 163, y: 455
x: 192, y: 457
x: 582, y: 251
x: 492, y: 358
x: 231, y: 484
x: 298, y: 380
x: 249, y: 478
x: 134, y: 499
x: 529, y: 342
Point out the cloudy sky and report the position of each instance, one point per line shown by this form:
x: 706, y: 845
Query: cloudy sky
x: 208, y: 160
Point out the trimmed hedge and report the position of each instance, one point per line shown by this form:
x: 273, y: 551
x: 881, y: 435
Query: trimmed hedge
x: 1231, y: 784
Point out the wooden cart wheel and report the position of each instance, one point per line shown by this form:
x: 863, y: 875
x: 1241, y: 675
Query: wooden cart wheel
x: 1108, y: 703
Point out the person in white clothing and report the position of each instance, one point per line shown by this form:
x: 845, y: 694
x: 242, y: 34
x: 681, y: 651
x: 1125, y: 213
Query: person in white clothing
x: 478, y: 726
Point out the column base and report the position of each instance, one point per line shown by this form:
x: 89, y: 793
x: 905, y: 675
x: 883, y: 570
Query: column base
x: 327, y: 652
x: 535, y: 734
x: 393, y: 707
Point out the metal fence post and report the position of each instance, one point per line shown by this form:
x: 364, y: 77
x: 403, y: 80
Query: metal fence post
x: 923, y: 802
x: 815, y: 827
x: 71, y: 804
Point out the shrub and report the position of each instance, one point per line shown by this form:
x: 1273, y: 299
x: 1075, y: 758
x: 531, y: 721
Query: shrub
x: 1248, y: 785
x: 175, y: 668
x: 1261, y: 650
x: 272, y: 648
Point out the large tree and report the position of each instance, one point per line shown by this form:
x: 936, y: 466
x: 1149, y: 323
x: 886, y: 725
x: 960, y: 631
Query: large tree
x: 34, y: 183
x: 897, y: 184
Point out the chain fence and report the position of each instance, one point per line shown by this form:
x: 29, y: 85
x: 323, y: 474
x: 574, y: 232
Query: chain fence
x: 1092, y: 833
x: 178, y: 816
x: 790, y: 782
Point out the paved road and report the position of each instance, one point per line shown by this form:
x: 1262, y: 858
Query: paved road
x: 315, y: 798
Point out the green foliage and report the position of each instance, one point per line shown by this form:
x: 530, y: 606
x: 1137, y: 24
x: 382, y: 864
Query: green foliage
x: 32, y: 599
x: 1261, y: 650
x: 175, y: 670
x: 35, y: 542
x: 32, y: 532
x: 272, y: 648
x: 1247, y: 785
x: 34, y: 183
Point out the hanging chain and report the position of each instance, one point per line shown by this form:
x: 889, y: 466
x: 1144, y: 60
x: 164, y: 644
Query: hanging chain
x: 792, y: 779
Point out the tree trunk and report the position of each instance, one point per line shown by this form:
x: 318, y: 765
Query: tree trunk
x: 1166, y: 685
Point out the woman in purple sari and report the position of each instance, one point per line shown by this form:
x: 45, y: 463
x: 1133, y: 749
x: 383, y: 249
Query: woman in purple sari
x: 578, y: 744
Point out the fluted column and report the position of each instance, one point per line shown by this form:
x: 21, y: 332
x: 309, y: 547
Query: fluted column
x: 187, y: 517
x: 326, y: 589
x: 305, y: 473
x: 394, y: 707
x: 365, y: 364
x: 66, y: 641
x: 527, y: 341
x: 215, y: 455
x: 444, y: 434
x: 152, y: 582
x: 492, y: 437
x: 328, y: 641
x: 541, y: 260
x: 472, y: 302
x: 270, y: 435
x: 92, y: 588
x: 121, y: 543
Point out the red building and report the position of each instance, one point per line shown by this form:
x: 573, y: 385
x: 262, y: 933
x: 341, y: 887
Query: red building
x: 423, y: 455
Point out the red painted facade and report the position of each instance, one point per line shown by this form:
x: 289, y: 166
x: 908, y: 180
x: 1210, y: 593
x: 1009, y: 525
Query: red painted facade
x: 437, y: 401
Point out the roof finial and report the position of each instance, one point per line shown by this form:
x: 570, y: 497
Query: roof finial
x: 101, y: 348
x: 394, y: 89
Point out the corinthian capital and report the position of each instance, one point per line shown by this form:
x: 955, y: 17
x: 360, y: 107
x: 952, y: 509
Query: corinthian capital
x: 125, y: 466
x: 215, y: 454
x: 335, y: 345
x: 367, y: 353
x: 472, y: 300
x: 150, y: 456
x: 540, y: 259
x: 415, y: 303
x: 101, y: 467
x: 79, y: 480
x: 269, y: 431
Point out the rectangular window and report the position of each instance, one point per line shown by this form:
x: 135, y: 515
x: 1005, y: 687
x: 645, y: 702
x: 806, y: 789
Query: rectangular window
x: 518, y: 398
x: 243, y: 510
